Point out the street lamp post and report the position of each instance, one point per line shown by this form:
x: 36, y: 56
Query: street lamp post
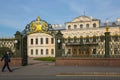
x: 107, y: 40
x: 18, y: 43
x: 58, y: 44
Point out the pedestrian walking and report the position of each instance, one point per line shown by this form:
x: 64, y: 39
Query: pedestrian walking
x: 6, y: 59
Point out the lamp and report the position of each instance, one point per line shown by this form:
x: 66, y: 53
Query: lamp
x: 58, y: 41
x: 16, y: 41
x: 17, y: 44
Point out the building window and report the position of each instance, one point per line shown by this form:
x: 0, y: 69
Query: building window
x: 75, y: 51
x: 52, y: 51
x: 94, y: 51
x: 69, y: 27
x: 80, y: 52
x: 36, y: 41
x: 46, y: 51
x: 69, y: 51
x: 31, y: 41
x: 81, y: 26
x: 75, y: 26
x: 36, y: 51
x: 46, y: 40
x: 41, y: 51
x: 31, y: 51
x: 41, y: 40
x: 115, y: 50
x: 94, y: 38
x: 52, y: 40
x: 116, y: 37
x: 94, y: 25
x: 87, y: 25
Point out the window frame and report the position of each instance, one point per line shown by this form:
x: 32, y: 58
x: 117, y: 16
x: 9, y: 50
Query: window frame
x: 41, y: 40
x: 31, y: 52
x: 31, y: 41
x: 36, y: 40
x: 87, y: 25
x: 75, y: 26
x: 69, y: 26
x: 36, y: 51
x: 81, y: 26
x: 47, y: 40
x: 41, y: 51
x: 47, y: 51
x: 52, y: 40
x: 94, y: 25
x: 52, y: 51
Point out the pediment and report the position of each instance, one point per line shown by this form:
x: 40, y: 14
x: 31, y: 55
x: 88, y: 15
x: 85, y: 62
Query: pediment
x: 82, y: 19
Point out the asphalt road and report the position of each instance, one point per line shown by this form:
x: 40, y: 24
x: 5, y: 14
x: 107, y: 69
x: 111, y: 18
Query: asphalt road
x: 38, y: 70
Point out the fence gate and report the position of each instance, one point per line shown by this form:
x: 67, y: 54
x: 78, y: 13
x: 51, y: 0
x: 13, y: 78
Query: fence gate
x: 21, y: 47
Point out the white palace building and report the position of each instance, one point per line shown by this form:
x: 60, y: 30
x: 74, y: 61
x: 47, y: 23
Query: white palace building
x: 41, y: 44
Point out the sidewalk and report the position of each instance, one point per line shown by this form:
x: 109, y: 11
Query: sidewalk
x: 39, y: 69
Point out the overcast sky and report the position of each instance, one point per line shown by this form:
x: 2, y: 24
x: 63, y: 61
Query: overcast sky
x: 16, y: 14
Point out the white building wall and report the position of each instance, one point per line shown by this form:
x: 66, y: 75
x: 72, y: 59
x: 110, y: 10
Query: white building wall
x: 40, y: 46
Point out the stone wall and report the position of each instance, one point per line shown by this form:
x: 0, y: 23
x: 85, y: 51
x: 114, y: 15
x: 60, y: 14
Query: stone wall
x: 14, y: 62
x: 87, y: 61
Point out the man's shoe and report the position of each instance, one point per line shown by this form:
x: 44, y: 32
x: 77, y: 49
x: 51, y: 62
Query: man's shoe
x: 2, y: 71
x: 10, y: 71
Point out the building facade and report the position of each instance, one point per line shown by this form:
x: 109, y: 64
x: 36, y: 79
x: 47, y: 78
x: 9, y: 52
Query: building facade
x: 82, y: 36
x: 85, y: 36
x: 41, y: 45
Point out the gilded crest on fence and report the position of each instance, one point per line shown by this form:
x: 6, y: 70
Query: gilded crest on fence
x: 38, y: 26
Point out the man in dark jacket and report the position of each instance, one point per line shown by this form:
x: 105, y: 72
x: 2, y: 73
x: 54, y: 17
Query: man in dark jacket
x: 6, y: 58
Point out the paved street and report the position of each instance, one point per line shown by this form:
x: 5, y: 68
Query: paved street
x: 39, y: 70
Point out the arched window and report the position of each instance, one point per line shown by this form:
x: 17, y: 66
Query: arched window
x: 52, y: 51
x: 87, y: 25
x: 81, y: 26
x: 75, y: 26
x: 94, y: 25
x: 69, y: 26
